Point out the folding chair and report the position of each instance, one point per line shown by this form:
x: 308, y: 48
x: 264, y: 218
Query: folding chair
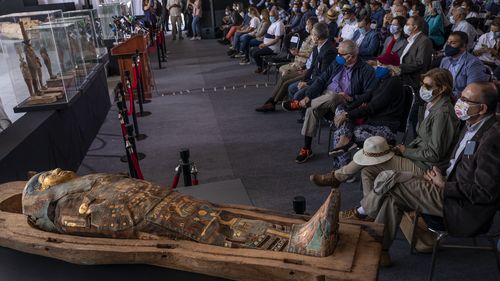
x: 279, y: 60
x: 435, y: 224
x: 410, y: 99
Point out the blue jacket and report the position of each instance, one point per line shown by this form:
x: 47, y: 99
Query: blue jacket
x: 363, y: 81
x: 369, y: 46
x: 303, y: 21
x: 295, y: 20
x: 470, y: 70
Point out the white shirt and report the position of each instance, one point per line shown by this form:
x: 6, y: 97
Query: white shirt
x: 487, y: 40
x: 468, y: 29
x: 471, y: 132
x: 411, y: 40
x: 360, y: 39
x: 254, y: 22
x: 277, y: 29
x: 347, y: 32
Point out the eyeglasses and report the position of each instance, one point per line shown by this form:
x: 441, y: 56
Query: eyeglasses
x: 343, y: 55
x: 464, y: 99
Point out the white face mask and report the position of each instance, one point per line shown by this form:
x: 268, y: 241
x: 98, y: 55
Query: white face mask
x: 452, y: 20
x: 407, y: 30
x: 425, y: 94
x: 462, y: 110
x: 332, y: 2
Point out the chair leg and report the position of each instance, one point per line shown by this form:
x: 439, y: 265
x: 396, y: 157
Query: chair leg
x: 319, y: 130
x: 330, y: 134
x: 434, y: 256
x: 414, y: 232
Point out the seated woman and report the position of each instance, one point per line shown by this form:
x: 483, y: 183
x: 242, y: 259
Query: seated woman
x: 381, y: 115
x: 397, y: 41
x: 436, y: 135
x: 230, y: 22
x: 292, y: 72
x: 253, y: 24
x: 253, y: 38
x: 436, y: 26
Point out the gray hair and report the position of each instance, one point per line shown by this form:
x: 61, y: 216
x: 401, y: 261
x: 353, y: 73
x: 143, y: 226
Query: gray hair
x: 321, y: 30
x: 350, y: 47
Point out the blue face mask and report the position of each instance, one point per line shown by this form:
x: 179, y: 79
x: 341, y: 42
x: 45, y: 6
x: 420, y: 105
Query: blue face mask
x: 382, y: 72
x: 362, y: 31
x: 340, y: 60
x: 394, y: 29
x: 272, y: 19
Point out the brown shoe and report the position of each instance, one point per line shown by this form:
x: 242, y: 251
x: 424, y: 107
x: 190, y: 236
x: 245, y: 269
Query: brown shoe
x: 267, y: 107
x: 325, y: 180
x: 385, y: 259
x: 352, y: 214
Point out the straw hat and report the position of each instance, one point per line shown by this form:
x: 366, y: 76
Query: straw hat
x: 375, y: 151
x: 332, y: 14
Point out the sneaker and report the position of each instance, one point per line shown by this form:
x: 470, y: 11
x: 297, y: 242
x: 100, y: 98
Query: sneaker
x: 198, y: 38
x: 181, y: 38
x: 240, y: 55
x: 304, y: 154
x: 343, y: 149
x: 352, y: 214
x: 258, y: 70
x: 290, y: 105
x: 244, y: 62
x: 192, y: 38
x: 232, y: 52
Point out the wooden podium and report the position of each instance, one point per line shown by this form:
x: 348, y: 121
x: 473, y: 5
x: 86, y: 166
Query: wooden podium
x: 125, y: 51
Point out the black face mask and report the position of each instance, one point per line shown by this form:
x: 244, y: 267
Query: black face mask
x: 450, y: 51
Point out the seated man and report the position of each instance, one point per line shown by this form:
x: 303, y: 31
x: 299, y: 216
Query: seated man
x: 467, y: 195
x: 367, y: 39
x: 349, y: 25
x: 272, y: 41
x: 115, y: 206
x: 487, y: 48
x: 437, y: 133
x: 319, y: 61
x: 292, y: 72
x: 378, y: 13
x: 381, y: 115
x: 345, y: 81
x: 464, y: 67
x: 460, y: 24
x: 232, y: 19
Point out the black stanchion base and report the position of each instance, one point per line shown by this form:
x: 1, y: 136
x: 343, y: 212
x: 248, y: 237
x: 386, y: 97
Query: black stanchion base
x: 140, y: 137
x: 144, y: 101
x: 140, y: 156
x: 143, y: 114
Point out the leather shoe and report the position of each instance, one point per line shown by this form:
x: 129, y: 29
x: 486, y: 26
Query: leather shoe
x: 267, y: 107
x: 325, y: 180
x: 385, y: 259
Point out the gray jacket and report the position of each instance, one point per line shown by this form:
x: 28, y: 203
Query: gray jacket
x: 398, y: 47
x: 417, y: 60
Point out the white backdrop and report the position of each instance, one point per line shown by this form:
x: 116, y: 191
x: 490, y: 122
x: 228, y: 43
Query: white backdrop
x: 136, y: 4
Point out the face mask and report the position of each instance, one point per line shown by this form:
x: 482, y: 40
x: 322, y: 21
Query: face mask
x: 303, y: 10
x: 394, y: 29
x: 272, y: 19
x: 425, y: 94
x: 373, y: 26
x: 411, y: 13
x: 496, y: 34
x: 382, y: 72
x: 362, y: 30
x: 317, y: 13
x: 462, y: 110
x: 337, y: 8
x: 227, y: 13
x: 340, y: 60
x: 450, y: 51
x: 407, y: 30
x: 308, y: 29
x: 452, y: 20
x: 295, y: 9
x: 332, y: 2
x: 312, y: 5
x: 396, y: 14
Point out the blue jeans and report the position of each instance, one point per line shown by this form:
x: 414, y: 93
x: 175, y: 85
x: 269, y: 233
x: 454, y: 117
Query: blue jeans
x: 246, y: 42
x: 294, y: 93
x: 237, y: 40
x: 196, y: 27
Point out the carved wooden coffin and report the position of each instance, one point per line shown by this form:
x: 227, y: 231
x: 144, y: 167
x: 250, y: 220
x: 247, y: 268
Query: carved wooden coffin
x: 356, y: 256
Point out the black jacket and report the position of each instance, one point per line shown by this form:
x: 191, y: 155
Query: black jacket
x: 321, y: 61
x: 385, y: 106
x: 363, y: 81
x: 472, y: 192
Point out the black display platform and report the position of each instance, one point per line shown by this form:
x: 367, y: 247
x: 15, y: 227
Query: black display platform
x: 45, y: 140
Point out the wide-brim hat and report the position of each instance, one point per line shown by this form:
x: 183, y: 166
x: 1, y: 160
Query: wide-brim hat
x: 375, y: 151
x: 332, y: 14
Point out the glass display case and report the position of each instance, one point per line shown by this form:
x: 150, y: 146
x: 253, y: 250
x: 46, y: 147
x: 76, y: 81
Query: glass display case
x: 41, y: 59
x: 80, y: 37
x: 108, y: 13
x: 93, y: 29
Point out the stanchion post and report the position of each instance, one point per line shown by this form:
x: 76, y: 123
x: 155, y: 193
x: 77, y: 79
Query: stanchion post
x: 138, y: 135
x: 186, y: 166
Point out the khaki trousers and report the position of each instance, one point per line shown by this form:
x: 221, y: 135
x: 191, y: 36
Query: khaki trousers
x: 321, y: 105
x: 369, y: 173
x: 176, y: 22
x: 397, y: 197
x: 281, y: 88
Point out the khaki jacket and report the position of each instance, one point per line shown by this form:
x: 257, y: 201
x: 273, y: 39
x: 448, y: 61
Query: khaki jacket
x: 436, y: 136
